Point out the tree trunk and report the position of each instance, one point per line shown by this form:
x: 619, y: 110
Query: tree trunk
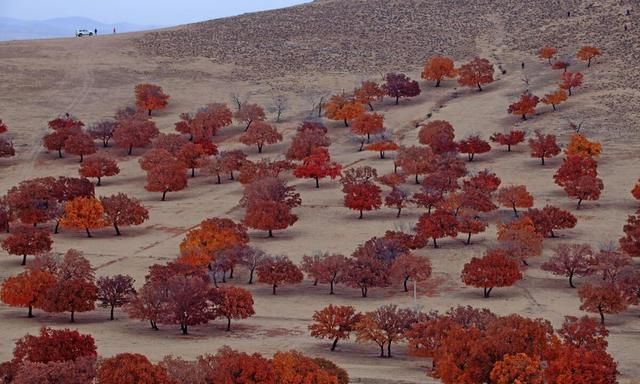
x: 364, y: 291
x: 248, y: 125
x: 315, y: 282
x: 589, y: 63
x: 435, y: 243
x: 30, y: 311
x: 228, y: 324
x: 515, y: 211
x: 81, y: 157
x: 55, y: 230
x: 406, y: 280
x: 164, y: 195
x: 382, y: 154
x: 579, y: 202
x: 487, y: 291
x: 389, y: 348
x: 438, y: 83
x: 552, y: 233
x: 24, y: 259
x: 99, y: 180
x: 397, y: 100
x: 360, y: 217
x: 382, y: 350
x: 368, y: 137
x: 60, y: 153
x: 88, y: 233
x: 251, y: 276
x: 193, y: 172
x: 259, y: 148
x: 417, y: 181
x: 219, y: 180
x: 73, y: 317
x: 569, y: 91
x: 479, y: 88
x: 231, y: 175
x: 130, y: 149
x: 399, y: 211
x: 571, y: 280
x: 370, y: 106
x: 231, y: 273
x: 470, y: 156
x: 508, y: 147
x: 274, y: 288
x: 524, y: 117
x: 149, y: 113
x: 601, y: 314
x: 185, y: 330
x: 554, y: 107
x: 270, y: 233
x: 331, y: 289
x: 346, y: 124
x: 361, y: 146
x: 117, y: 229
x: 334, y: 344
x: 317, y: 182
x: 524, y: 261
x: 111, y: 317
x: 468, y: 239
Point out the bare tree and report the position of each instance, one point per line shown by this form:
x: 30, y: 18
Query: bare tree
x: 280, y: 104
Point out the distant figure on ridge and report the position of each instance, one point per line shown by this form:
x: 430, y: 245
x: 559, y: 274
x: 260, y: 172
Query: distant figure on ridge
x: 95, y: 31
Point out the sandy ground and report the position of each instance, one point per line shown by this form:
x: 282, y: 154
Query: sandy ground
x: 90, y: 78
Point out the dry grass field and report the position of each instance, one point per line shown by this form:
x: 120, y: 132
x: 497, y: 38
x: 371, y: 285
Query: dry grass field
x: 307, y: 52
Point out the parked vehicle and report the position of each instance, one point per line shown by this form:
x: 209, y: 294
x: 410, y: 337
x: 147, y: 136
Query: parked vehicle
x: 83, y: 32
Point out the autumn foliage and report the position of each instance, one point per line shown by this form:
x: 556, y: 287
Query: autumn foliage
x: 473, y: 145
x: 558, y: 97
x: 317, y: 166
x: 150, y: 97
x: 99, y: 166
x: 570, y: 81
x: 268, y: 202
x: 512, y: 138
x: 495, y: 269
x: 547, y: 53
x: 360, y: 192
x: 277, y: 271
x: 26, y: 289
x: 571, y: 260
x: 249, y: 113
x: 134, y: 132
x: 437, y: 68
x: 121, y: 210
x: 476, y: 73
x: 27, y: 240
x: 579, y: 145
x: 525, y: 106
x: 438, y: 135
x: 368, y: 124
x: 543, y: 146
x: 334, y: 322
x: 259, y: 134
x: 587, y: 53
x: 343, y: 108
x: 368, y: 92
x: 131, y: 368
x: 399, y: 85
x: 85, y: 213
x: 514, y: 197
x: 437, y: 225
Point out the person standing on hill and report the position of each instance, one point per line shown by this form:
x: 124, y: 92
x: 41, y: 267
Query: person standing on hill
x: 95, y: 31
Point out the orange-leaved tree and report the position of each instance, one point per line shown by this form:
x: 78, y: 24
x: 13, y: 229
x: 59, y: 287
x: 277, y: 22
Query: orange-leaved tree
x: 515, y: 196
x: 213, y: 235
x: 437, y: 68
x: 473, y: 145
x: 360, y: 192
x: 525, y: 106
x: 570, y: 81
x: 587, y: 53
x: 26, y: 289
x: 83, y: 213
x: 368, y: 124
x: 547, y: 53
x: 27, y: 240
x: 268, y: 202
x: 334, y: 322
x: 248, y: 113
x: 317, y: 166
x: 494, y: 269
x: 150, y: 97
x: 368, y: 92
x: 169, y: 176
x: 518, y: 368
x: 231, y: 303
x: 605, y: 298
x: 382, y: 146
x: 193, y: 156
x: 512, y: 138
x: 543, y: 146
x: 556, y: 98
x: 476, y: 73
x: 278, y: 270
x: 438, y: 135
x: 341, y: 107
x: 99, y: 166
x: 260, y: 133
x: 579, y: 145
x: 121, y: 210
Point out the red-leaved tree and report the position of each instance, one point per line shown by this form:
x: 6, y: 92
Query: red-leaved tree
x: 494, y: 269
x: 571, y: 260
x: 318, y: 165
x: 543, y: 146
x: 150, y: 97
x: 277, y: 271
x: 99, y: 166
x: 334, y: 322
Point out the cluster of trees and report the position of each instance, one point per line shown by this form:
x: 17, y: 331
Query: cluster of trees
x: 527, y: 103
x: 65, y: 284
x: 67, y: 356
x: 468, y: 345
x: 70, y: 203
